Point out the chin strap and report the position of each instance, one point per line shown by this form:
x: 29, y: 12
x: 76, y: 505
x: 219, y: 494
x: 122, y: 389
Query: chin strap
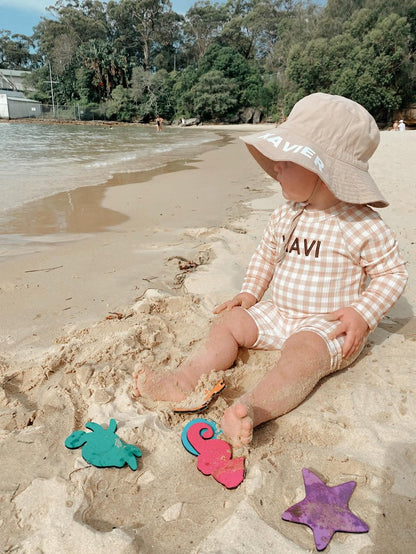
x: 295, y: 219
x: 315, y: 189
x: 289, y: 234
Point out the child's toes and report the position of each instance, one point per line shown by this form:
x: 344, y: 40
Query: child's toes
x: 246, y: 433
x: 240, y: 410
x: 246, y: 426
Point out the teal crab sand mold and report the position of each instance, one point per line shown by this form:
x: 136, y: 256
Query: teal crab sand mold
x: 102, y: 447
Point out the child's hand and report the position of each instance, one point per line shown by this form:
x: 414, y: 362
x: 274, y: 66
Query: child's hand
x: 244, y: 299
x: 353, y: 326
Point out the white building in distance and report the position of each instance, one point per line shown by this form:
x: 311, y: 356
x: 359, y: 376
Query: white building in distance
x: 13, y: 103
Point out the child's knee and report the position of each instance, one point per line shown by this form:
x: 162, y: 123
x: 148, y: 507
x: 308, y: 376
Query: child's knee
x: 240, y: 324
x: 312, y: 348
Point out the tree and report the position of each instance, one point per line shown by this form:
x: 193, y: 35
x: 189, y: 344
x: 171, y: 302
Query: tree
x: 15, y: 51
x: 202, y: 25
x: 140, y: 58
x: 334, y: 16
x: 263, y: 22
x: 214, y: 96
x: 183, y: 84
x: 366, y: 63
x: 167, y: 50
x: 107, y: 67
x: 120, y: 106
x: 152, y: 93
x: 296, y: 26
x: 235, y: 67
x: 140, y: 24
x: 82, y: 20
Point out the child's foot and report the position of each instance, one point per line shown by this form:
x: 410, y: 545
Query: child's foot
x: 168, y: 387
x: 237, y: 425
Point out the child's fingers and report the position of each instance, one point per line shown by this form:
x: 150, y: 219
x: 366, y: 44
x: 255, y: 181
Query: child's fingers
x: 339, y: 330
x: 220, y: 308
x: 347, y: 347
x: 332, y: 316
x: 351, y: 346
x: 227, y: 305
x: 243, y: 300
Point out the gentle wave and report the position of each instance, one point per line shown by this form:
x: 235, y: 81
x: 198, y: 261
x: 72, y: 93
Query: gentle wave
x: 38, y: 160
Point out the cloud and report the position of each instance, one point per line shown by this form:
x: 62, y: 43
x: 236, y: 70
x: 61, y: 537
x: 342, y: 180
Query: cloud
x: 27, y: 5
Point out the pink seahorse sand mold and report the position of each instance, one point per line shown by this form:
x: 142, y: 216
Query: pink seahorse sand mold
x: 215, y: 455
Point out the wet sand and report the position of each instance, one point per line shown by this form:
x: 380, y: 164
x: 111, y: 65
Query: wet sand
x: 83, y: 306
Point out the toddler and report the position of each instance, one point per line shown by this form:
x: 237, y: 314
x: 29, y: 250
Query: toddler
x: 331, y: 264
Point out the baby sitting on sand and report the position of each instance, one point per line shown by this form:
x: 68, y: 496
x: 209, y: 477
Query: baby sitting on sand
x: 332, y: 265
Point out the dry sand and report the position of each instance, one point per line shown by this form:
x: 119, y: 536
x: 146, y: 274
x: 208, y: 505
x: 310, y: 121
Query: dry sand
x: 169, y: 249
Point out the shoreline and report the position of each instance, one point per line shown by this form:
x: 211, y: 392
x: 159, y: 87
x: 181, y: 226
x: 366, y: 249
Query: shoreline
x: 63, y: 363
x: 58, y: 212
x: 252, y: 127
x: 100, y: 217
x: 213, y: 126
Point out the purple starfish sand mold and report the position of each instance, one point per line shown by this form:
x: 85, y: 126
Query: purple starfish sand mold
x: 325, y: 510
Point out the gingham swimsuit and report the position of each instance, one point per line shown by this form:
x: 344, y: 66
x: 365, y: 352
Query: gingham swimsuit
x: 327, y: 260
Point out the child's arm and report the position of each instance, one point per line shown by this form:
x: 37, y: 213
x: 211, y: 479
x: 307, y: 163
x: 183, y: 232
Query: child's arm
x: 382, y: 262
x: 263, y: 262
x: 386, y: 269
x: 260, y: 269
x: 259, y: 272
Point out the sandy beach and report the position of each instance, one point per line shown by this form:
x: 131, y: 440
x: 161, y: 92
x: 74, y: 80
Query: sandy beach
x: 133, y: 280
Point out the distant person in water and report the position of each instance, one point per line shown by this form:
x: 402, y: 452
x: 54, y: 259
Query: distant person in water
x: 396, y: 125
x: 159, y: 121
x: 402, y: 126
x: 331, y: 264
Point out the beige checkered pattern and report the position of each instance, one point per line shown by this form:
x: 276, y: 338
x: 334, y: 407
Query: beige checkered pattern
x: 274, y: 328
x: 329, y: 258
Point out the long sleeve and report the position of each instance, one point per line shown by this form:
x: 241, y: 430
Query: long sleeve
x: 262, y: 264
x: 343, y: 256
x: 384, y: 266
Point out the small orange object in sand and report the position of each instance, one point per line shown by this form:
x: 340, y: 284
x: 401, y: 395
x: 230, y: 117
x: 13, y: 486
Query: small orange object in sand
x: 200, y: 404
x: 114, y: 315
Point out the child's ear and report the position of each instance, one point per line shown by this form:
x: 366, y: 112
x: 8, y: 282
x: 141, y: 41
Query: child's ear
x: 278, y: 167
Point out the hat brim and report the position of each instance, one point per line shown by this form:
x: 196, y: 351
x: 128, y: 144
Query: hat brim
x: 346, y: 181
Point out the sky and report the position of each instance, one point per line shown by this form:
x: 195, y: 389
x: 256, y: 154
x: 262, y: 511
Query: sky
x: 20, y: 16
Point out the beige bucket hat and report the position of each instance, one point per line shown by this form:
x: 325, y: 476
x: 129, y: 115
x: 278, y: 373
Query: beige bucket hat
x: 331, y: 136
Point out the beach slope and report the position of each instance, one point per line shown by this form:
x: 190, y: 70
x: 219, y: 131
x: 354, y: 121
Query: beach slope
x: 79, y: 315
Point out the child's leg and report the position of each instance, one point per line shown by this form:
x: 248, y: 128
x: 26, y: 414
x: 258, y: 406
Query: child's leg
x: 231, y: 330
x: 305, y: 359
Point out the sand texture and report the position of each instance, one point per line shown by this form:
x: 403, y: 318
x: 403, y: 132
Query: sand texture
x: 79, y: 314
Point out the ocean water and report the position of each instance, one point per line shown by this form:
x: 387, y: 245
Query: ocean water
x: 37, y: 161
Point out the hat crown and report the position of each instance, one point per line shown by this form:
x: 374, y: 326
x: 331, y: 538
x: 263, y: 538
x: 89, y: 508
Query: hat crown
x: 331, y: 136
x: 341, y: 127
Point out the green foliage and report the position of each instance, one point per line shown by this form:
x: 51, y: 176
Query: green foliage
x: 152, y: 93
x: 15, y: 51
x: 120, y: 106
x: 366, y: 62
x: 183, y: 83
x: 214, y: 96
x: 202, y: 25
x: 136, y: 59
x: 107, y: 67
x: 142, y: 25
x: 235, y: 68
